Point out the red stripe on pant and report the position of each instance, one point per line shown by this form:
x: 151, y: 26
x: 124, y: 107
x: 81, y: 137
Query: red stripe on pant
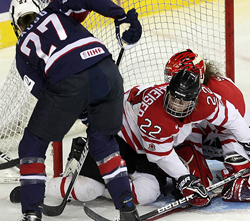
x: 111, y: 165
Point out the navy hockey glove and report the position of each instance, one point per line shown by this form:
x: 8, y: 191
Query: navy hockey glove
x: 133, y: 34
x: 190, y: 184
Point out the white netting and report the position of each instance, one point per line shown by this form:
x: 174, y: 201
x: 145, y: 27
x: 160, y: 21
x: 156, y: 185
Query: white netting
x: 168, y: 27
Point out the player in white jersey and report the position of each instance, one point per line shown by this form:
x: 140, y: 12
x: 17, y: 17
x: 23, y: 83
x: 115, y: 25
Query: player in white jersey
x: 158, y: 118
x: 217, y: 142
x: 153, y: 129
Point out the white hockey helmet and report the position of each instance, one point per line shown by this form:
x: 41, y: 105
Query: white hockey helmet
x: 19, y: 8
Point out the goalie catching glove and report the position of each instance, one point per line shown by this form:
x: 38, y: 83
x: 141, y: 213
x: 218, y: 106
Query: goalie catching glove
x: 133, y: 34
x: 190, y: 184
x: 239, y: 189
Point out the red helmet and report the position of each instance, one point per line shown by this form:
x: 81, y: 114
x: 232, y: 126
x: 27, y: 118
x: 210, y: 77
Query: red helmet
x: 185, y: 59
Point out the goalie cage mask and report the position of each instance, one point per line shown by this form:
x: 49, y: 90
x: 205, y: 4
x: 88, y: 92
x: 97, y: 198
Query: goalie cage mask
x: 182, y: 93
x: 185, y: 59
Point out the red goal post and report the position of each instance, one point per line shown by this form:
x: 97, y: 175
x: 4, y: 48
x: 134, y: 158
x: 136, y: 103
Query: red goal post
x: 205, y: 26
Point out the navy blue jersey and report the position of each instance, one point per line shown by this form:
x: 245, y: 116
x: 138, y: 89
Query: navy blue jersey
x: 56, y: 45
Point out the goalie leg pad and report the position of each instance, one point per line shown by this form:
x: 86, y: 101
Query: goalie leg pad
x: 239, y: 189
x: 85, y: 188
x: 195, y: 162
x: 145, y: 187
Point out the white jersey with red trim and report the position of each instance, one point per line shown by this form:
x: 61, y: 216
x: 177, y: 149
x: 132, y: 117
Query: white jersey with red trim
x: 149, y: 129
x: 206, y: 132
x: 227, y: 89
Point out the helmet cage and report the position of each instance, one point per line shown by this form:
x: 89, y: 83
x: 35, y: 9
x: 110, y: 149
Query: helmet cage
x: 178, y: 107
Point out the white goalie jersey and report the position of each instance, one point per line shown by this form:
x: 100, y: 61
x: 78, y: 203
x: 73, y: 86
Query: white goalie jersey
x: 150, y: 130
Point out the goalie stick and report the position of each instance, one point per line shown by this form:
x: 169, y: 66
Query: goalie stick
x: 57, y: 210
x: 176, y: 205
x: 10, y: 162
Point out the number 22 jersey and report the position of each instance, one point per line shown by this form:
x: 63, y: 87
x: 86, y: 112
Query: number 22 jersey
x: 149, y: 129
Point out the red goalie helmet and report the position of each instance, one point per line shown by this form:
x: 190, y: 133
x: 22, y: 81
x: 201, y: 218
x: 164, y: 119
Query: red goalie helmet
x: 185, y: 59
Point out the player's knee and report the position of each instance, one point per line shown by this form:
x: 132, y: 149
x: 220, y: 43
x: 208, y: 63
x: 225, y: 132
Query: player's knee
x: 145, y: 187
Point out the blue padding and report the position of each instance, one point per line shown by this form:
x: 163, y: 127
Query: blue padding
x: 4, y: 5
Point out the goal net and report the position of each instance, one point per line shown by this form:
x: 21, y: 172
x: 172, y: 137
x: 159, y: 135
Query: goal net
x: 205, y: 27
x: 170, y: 27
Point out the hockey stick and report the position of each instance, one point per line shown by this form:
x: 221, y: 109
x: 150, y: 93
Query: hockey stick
x: 10, y: 162
x: 120, y: 57
x: 169, y: 207
x: 176, y: 205
x: 179, y: 209
x: 57, y: 210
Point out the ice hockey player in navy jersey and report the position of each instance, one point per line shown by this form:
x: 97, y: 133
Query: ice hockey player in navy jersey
x: 70, y: 71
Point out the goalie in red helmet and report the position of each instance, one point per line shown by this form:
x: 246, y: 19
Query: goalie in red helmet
x: 209, y: 134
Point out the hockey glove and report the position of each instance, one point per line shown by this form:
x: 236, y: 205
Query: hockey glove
x: 239, y: 189
x: 190, y: 184
x: 133, y: 34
